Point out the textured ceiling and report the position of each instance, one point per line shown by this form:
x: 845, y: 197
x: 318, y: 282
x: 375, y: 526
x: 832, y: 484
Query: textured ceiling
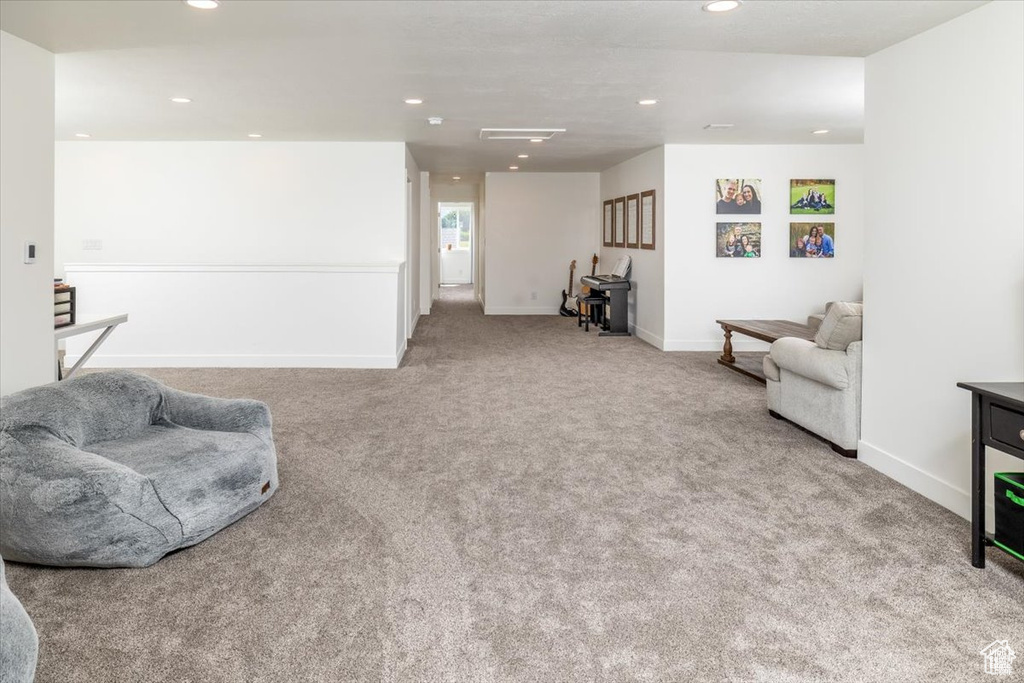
x: 326, y: 70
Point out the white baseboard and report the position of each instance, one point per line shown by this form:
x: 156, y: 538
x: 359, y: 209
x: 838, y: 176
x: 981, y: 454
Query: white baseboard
x: 738, y: 344
x: 931, y: 487
x: 240, y: 361
x: 521, y: 310
x: 649, y: 337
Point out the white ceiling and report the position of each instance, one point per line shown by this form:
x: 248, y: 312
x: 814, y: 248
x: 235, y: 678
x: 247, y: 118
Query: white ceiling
x: 329, y: 70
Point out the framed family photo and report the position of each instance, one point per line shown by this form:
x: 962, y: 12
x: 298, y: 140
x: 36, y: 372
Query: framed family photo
x: 810, y: 196
x: 738, y: 240
x: 738, y: 195
x: 812, y: 240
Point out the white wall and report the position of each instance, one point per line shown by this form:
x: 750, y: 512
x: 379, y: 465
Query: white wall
x: 945, y: 167
x: 480, y: 249
x: 700, y: 288
x: 647, y: 297
x: 412, y: 242
x: 426, y: 254
x: 231, y: 202
x: 536, y: 224
x: 26, y: 213
x: 200, y: 315
x: 264, y: 204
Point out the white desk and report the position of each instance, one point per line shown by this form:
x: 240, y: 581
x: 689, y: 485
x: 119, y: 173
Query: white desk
x: 81, y: 328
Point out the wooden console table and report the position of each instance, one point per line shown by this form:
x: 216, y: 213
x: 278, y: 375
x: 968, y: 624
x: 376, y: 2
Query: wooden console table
x: 766, y: 331
x: 997, y: 421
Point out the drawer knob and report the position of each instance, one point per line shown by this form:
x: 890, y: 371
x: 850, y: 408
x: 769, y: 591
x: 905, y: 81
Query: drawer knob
x: 1022, y: 435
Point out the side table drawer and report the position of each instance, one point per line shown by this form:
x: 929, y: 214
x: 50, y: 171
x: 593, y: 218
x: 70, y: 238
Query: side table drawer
x: 1008, y: 427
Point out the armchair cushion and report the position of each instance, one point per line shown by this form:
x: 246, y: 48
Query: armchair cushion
x: 841, y: 325
x: 114, y: 469
x: 808, y: 360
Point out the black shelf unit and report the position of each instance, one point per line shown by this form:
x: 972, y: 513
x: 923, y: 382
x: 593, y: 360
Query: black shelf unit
x: 63, y: 307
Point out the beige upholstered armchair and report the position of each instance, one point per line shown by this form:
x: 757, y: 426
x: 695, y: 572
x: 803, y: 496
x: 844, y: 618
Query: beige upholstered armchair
x: 817, y: 385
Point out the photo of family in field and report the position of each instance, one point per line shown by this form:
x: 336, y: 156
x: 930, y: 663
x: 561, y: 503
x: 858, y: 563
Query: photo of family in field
x: 738, y: 195
x: 739, y: 240
x: 812, y: 240
x: 812, y: 196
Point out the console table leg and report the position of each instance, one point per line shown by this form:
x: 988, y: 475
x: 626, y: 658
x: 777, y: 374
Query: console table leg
x: 977, y: 485
x: 727, y: 356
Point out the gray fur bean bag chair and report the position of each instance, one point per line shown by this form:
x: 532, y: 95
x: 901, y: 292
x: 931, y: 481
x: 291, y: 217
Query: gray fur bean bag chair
x: 19, y: 645
x: 114, y: 469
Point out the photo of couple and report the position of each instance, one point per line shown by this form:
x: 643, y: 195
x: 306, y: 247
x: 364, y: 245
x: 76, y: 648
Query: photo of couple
x: 812, y: 196
x: 812, y: 240
x: 739, y: 240
x: 737, y: 195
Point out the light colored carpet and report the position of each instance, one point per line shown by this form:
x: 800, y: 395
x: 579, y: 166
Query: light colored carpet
x: 523, y: 501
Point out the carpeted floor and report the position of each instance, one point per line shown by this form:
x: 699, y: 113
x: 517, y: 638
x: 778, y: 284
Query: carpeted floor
x: 523, y: 501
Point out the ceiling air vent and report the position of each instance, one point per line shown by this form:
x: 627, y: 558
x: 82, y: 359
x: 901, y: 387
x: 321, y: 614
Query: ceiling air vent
x: 519, y: 133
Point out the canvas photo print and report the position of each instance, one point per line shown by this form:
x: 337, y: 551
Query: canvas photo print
x: 812, y: 240
x: 739, y: 240
x: 812, y: 196
x: 738, y: 195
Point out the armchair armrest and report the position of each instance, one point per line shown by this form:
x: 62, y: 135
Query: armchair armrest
x: 217, y: 414
x: 806, y: 359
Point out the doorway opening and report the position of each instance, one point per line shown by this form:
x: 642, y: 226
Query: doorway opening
x: 455, y: 226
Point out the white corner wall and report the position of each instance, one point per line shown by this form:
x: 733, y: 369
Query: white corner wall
x: 647, y: 296
x: 701, y: 288
x: 426, y: 252
x: 944, y: 265
x: 412, y: 242
x: 536, y: 224
x: 26, y: 214
x: 233, y: 217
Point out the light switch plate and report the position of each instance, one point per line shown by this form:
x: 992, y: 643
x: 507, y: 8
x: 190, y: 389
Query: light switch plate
x: 30, y: 252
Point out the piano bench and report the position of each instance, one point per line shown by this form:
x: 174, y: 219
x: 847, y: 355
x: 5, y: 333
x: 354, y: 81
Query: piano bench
x: 595, y: 310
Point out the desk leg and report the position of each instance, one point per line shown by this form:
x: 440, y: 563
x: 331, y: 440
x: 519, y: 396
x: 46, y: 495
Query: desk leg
x: 727, y: 356
x: 91, y: 350
x: 977, y: 485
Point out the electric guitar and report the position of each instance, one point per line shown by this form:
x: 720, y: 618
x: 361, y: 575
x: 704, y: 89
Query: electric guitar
x: 563, y: 309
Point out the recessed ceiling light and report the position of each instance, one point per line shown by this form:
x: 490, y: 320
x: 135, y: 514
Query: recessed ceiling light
x: 414, y: 100
x: 202, y: 4
x: 255, y: 135
x: 524, y: 156
x: 180, y: 100
x: 721, y: 5
x: 435, y: 120
x: 456, y: 177
x: 820, y: 132
x: 513, y: 168
x: 536, y: 140
x: 647, y: 103
x: 718, y: 126
x: 82, y: 135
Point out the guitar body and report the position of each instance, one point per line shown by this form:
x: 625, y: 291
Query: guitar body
x: 564, y: 309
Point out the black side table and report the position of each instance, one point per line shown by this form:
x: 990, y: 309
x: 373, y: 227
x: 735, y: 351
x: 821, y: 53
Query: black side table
x: 997, y: 410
